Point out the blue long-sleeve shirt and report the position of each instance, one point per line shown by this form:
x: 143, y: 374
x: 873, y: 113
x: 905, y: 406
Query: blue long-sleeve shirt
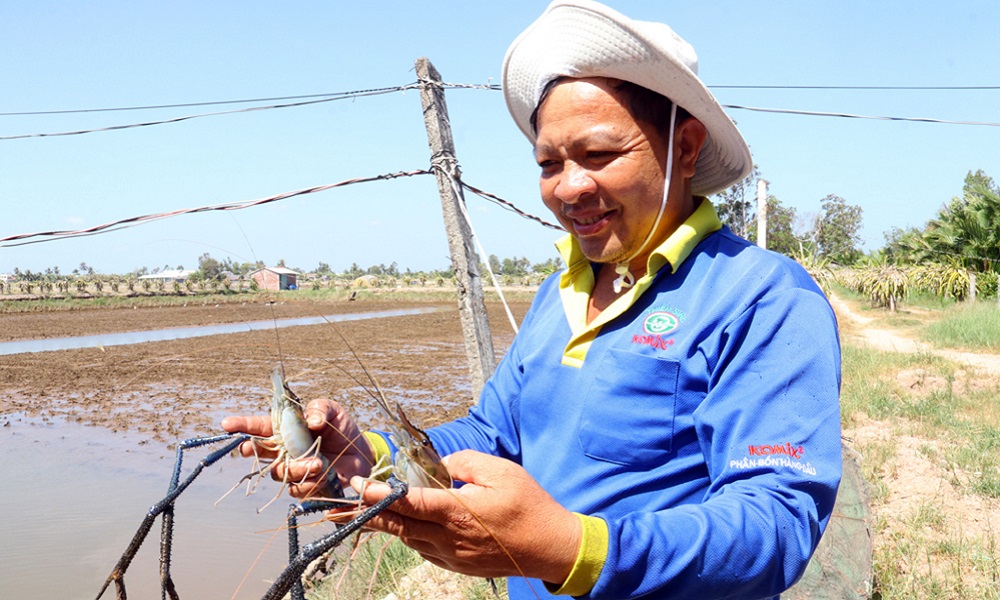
x: 699, y: 418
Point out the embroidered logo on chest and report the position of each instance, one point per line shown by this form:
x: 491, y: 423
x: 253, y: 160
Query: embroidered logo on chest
x: 655, y: 327
x: 660, y: 323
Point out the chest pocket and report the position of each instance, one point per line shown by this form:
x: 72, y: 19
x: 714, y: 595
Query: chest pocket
x: 628, y: 413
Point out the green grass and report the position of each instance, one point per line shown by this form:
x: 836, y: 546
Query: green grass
x: 925, y: 553
x: 900, y: 320
x: 961, y: 410
x: 373, y: 572
x: 951, y: 568
x: 974, y: 326
x: 868, y: 380
x: 445, y: 293
x: 376, y: 570
x: 121, y: 301
x: 979, y: 455
x: 926, y: 301
x: 481, y: 590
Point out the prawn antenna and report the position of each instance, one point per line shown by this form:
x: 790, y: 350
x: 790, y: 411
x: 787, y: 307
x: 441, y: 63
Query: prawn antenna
x: 376, y: 395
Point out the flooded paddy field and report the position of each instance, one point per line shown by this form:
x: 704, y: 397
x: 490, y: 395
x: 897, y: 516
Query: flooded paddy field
x: 88, y: 434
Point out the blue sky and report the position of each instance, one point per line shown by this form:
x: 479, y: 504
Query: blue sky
x: 72, y: 55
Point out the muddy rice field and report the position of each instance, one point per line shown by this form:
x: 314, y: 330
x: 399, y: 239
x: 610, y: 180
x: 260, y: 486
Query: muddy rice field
x: 89, y: 434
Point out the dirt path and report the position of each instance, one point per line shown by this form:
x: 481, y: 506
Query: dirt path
x: 893, y: 341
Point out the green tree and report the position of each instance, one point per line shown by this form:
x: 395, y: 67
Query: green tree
x: 964, y: 231
x: 208, y: 267
x: 906, y: 246
x: 780, y: 228
x: 967, y: 227
x: 978, y: 181
x: 837, y: 234
x: 548, y: 267
x: 737, y: 205
x: 354, y: 272
x: 514, y: 267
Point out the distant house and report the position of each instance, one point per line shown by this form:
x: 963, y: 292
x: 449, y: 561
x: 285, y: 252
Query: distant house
x: 275, y: 278
x: 170, y: 275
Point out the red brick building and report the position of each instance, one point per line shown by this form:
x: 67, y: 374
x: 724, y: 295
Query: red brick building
x: 275, y: 278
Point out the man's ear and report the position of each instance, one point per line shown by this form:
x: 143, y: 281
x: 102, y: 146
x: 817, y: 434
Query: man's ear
x: 690, y: 137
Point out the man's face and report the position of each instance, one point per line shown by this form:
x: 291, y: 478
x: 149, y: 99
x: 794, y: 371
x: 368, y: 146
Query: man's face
x: 602, y: 171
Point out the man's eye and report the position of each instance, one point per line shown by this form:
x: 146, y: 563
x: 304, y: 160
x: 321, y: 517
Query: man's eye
x: 601, y: 155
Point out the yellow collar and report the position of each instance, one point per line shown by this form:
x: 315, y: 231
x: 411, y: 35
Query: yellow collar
x: 577, y: 282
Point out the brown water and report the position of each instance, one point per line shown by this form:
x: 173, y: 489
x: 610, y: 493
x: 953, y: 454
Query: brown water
x: 72, y: 497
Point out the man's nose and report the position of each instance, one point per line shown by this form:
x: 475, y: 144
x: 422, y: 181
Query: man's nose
x: 574, y: 183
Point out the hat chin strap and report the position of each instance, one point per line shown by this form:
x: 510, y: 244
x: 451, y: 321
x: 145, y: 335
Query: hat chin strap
x: 625, y: 279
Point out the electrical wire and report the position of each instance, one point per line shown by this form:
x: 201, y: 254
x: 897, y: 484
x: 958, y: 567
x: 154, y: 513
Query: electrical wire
x: 23, y: 239
x: 447, y: 166
x: 353, y: 94
x: 330, y: 97
x: 858, y: 87
x: 496, y: 88
x: 48, y: 236
x: 189, y: 104
x: 788, y: 111
x: 343, y: 96
x: 507, y: 205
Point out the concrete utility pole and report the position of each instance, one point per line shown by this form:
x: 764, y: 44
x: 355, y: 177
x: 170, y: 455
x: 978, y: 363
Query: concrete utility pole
x: 464, y: 260
x: 762, y: 213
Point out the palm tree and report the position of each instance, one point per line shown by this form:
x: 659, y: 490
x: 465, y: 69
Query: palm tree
x: 966, y: 228
x: 964, y: 231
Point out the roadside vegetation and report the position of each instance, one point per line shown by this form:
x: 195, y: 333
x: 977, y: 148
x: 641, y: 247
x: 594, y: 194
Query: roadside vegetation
x: 928, y: 432
x: 971, y: 327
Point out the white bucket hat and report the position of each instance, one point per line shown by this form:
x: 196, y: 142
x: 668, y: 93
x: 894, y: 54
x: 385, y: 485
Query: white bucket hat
x: 582, y: 38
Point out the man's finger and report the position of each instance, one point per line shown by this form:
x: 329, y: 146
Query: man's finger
x: 297, y: 471
x: 425, y: 504
x: 415, y: 533
x: 259, y: 426
x: 476, y: 468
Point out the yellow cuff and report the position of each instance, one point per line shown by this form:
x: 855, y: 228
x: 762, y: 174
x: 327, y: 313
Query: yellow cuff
x: 381, y: 453
x: 589, y: 560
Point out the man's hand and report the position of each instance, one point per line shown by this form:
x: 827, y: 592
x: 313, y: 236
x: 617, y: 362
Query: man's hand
x: 501, y: 523
x: 341, y: 442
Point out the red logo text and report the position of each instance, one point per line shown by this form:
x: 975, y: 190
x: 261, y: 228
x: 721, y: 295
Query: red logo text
x: 656, y: 341
x: 768, y: 450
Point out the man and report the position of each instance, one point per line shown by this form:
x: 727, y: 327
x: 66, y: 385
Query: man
x: 666, y: 423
